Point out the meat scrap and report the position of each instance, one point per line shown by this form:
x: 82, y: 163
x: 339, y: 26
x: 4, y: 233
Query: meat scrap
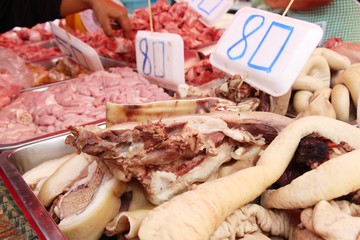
x: 202, y: 72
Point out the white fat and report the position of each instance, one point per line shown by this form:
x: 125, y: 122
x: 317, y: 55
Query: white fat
x: 38, y: 186
x: 35, y: 36
x: 207, y: 126
x: 250, y: 153
x: 183, y: 90
x: 135, y: 149
x: 161, y: 179
x: 237, y: 153
x: 50, y: 100
x: 212, y: 125
x: 337, y: 151
x: 84, y: 181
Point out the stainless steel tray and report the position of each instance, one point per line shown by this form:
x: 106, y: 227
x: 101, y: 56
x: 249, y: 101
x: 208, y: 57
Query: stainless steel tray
x: 108, y: 63
x: 51, y: 62
x: 11, y: 146
x: 13, y: 163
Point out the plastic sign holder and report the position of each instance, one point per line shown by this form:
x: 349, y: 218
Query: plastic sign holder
x: 76, y: 49
x: 210, y: 10
x: 160, y: 58
x: 267, y: 49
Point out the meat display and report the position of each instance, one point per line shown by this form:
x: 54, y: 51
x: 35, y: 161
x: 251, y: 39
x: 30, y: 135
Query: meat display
x: 30, y: 44
x: 234, y: 89
x: 231, y: 165
x: 80, y: 101
x: 63, y: 69
x: 14, y: 76
x: 176, y: 18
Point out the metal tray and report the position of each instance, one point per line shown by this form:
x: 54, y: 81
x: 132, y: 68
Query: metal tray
x: 50, y: 63
x: 108, y: 63
x: 13, y: 163
x: 45, y: 137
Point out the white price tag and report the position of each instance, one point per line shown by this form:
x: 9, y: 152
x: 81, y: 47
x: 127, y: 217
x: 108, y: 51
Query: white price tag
x: 76, y: 49
x: 160, y: 58
x: 210, y: 10
x: 268, y: 49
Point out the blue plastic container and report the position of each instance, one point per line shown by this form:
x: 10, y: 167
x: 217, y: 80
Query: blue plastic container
x: 131, y: 5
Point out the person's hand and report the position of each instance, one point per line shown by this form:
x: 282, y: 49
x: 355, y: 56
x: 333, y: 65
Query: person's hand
x: 107, y: 10
x: 297, y: 5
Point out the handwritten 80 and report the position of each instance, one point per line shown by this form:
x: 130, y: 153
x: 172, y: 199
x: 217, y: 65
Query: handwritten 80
x: 160, y: 57
x: 207, y: 6
x: 210, y: 10
x: 153, y: 64
x: 271, y: 45
x: 267, y: 48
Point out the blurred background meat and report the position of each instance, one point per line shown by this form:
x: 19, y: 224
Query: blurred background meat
x: 351, y: 50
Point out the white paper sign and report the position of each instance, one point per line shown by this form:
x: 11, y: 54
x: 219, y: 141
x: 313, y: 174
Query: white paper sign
x: 267, y: 49
x: 210, y: 10
x: 76, y: 49
x: 160, y: 58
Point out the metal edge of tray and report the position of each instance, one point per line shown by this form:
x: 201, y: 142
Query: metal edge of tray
x: 32, y: 209
x: 11, y: 146
x: 49, y: 63
x: 14, y: 163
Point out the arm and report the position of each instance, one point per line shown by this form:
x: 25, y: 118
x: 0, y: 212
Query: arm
x: 104, y: 10
x: 297, y: 4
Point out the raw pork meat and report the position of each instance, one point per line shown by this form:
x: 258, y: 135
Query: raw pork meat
x: 76, y: 102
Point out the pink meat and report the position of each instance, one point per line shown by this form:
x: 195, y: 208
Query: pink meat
x: 8, y: 92
x: 351, y: 50
x: 24, y: 42
x: 177, y: 18
x: 35, y: 113
x: 46, y: 120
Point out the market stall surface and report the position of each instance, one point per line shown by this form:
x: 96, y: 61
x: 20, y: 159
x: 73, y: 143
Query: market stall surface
x: 13, y: 224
